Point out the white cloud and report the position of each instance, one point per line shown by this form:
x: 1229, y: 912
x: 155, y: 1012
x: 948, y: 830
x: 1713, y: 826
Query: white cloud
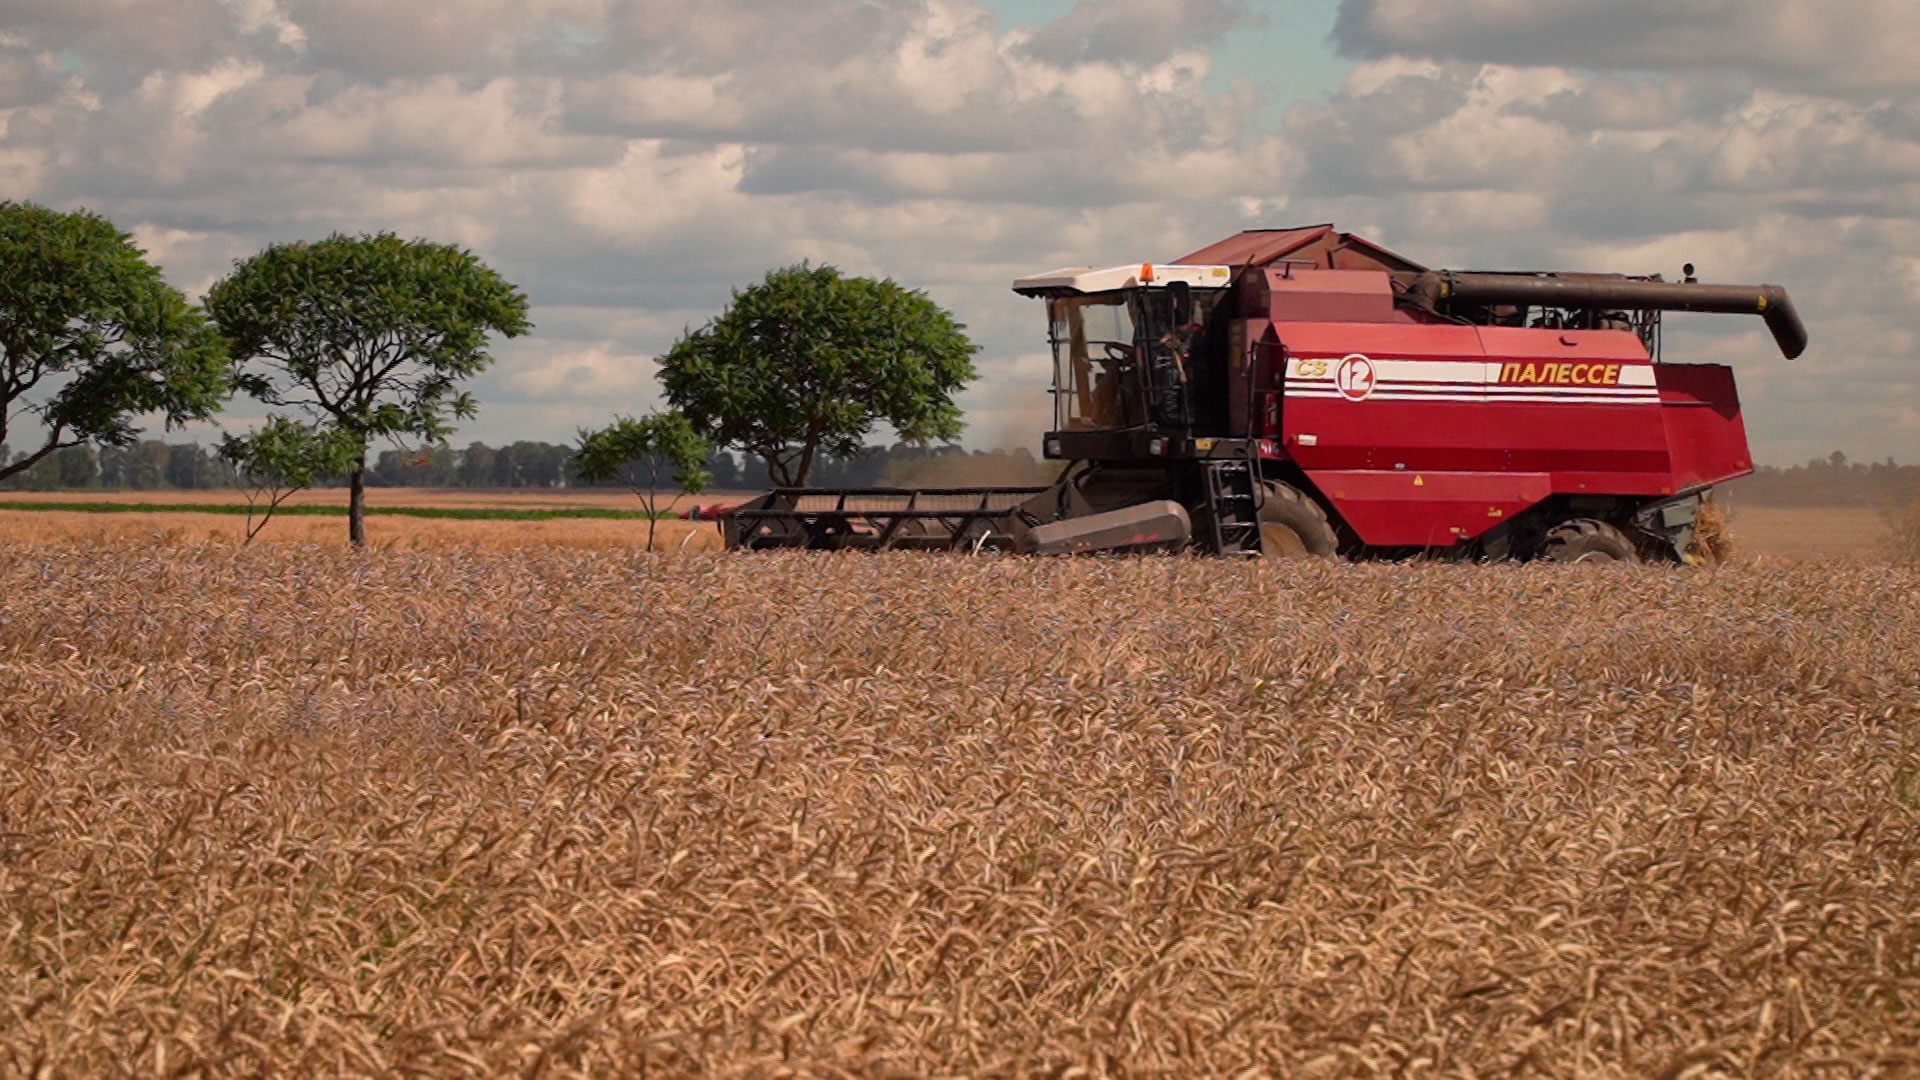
x: 264, y: 17
x: 388, y: 39
x: 1137, y: 31
x: 630, y: 161
x: 1840, y: 46
x: 573, y: 374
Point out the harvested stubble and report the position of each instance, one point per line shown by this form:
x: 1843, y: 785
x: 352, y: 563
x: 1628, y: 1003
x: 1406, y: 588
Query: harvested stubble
x: 296, y: 811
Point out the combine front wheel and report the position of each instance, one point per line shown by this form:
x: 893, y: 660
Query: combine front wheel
x: 1587, y: 540
x: 1293, y: 526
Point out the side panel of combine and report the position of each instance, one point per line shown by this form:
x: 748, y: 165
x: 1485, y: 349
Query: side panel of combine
x: 1425, y: 508
x: 1384, y: 396
x: 1423, y: 435
x: 1701, y: 411
x: 1580, y: 405
x: 1390, y: 422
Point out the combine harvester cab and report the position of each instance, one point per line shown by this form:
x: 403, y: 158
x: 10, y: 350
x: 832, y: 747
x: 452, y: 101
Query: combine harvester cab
x: 1305, y: 392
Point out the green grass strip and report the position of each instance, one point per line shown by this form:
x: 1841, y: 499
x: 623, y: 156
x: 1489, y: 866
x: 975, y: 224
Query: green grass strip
x: 455, y: 513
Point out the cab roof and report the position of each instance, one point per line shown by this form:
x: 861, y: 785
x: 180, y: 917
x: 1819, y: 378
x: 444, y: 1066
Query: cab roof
x: 1077, y: 280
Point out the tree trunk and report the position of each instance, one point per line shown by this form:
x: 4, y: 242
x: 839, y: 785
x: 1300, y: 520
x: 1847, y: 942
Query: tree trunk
x: 806, y: 463
x: 357, y: 505
x: 793, y: 470
x: 779, y: 472
x: 651, y: 502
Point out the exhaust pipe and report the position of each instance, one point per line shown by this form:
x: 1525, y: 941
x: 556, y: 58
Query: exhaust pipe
x: 1437, y: 287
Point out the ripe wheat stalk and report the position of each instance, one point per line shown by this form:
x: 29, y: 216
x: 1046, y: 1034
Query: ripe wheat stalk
x: 299, y: 811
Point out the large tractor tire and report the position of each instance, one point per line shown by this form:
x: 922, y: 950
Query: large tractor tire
x: 1587, y: 540
x: 1293, y: 526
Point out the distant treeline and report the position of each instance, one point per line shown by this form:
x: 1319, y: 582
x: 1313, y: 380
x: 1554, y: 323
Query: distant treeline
x: 1828, y: 481
x: 155, y: 466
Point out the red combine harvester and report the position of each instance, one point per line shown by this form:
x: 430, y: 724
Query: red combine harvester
x: 1306, y: 392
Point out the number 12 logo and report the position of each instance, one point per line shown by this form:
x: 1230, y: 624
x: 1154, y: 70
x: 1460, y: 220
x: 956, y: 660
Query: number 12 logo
x: 1354, y: 378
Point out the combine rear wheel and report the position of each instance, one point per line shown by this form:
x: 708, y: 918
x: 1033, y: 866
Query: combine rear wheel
x: 1587, y: 540
x: 1293, y: 526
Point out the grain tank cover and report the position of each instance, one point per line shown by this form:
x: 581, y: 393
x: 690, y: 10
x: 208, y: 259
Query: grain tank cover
x: 1320, y: 246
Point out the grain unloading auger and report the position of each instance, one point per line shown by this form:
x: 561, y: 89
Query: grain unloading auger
x: 1306, y: 392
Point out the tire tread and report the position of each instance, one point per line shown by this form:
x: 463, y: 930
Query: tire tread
x: 1570, y: 540
x: 1287, y: 505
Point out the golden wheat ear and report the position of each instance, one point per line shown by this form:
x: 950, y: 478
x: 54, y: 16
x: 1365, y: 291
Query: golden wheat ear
x: 439, y: 811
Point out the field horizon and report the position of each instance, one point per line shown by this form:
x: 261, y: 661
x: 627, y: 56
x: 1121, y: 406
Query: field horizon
x: 1760, y: 532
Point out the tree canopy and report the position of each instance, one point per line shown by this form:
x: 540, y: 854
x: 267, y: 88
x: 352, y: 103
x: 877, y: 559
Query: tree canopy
x: 92, y: 338
x: 810, y: 360
x: 368, y: 335
x: 642, y: 453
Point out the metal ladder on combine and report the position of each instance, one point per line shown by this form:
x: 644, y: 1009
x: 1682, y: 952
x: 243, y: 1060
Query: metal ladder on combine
x: 1233, y: 506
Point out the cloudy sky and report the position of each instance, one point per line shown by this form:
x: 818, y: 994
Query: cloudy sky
x: 627, y: 162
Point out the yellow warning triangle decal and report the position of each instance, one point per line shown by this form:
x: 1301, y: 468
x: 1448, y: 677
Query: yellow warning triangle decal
x: 1418, y: 482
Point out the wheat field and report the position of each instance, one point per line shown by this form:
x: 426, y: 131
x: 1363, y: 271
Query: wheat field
x: 177, y: 528
x: 296, y: 810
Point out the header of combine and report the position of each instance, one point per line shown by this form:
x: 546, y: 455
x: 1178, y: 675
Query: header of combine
x: 1305, y: 391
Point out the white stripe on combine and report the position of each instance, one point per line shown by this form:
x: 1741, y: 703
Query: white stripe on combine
x: 1480, y: 388
x: 1632, y: 373
x: 1517, y: 388
x: 1442, y: 371
x: 1482, y: 399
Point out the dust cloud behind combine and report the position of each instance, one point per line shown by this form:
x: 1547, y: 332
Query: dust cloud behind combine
x: 992, y: 468
x: 456, y: 812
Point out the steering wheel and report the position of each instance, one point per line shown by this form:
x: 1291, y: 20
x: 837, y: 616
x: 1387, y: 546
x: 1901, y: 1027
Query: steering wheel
x: 1123, y: 354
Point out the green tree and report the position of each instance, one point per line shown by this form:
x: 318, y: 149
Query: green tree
x: 430, y: 466
x: 642, y: 453
x: 77, y: 467
x: 476, y: 465
x: 147, y: 467
x: 810, y: 360
x: 537, y: 464
x: 92, y: 338
x: 283, y: 457
x: 506, y: 468
x: 370, y: 336
x: 186, y: 466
